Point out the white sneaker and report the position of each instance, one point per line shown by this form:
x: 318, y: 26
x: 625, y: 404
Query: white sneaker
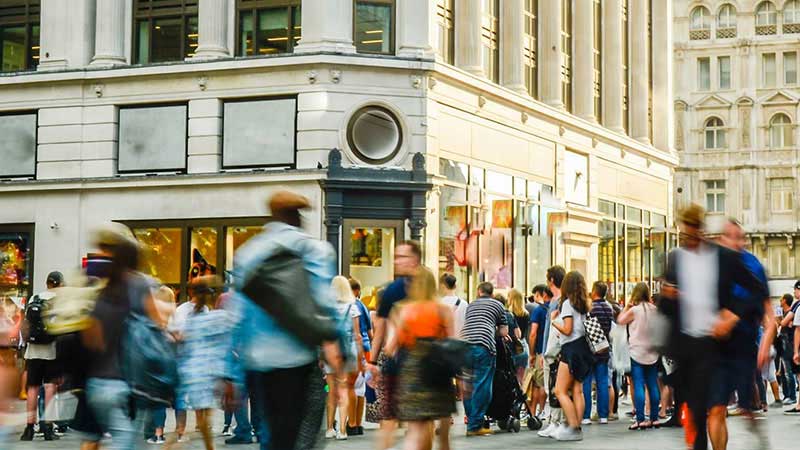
x: 586, y: 422
x: 603, y: 421
x: 569, y: 434
x: 330, y: 434
x: 549, y: 431
x: 183, y: 438
x: 341, y: 437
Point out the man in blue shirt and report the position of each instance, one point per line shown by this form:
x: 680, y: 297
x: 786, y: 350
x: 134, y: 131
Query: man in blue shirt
x: 536, y: 340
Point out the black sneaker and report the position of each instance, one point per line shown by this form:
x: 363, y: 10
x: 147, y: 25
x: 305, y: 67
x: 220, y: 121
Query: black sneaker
x: 792, y: 412
x: 49, y: 434
x: 360, y: 430
x: 351, y: 431
x: 27, y: 435
x: 236, y: 440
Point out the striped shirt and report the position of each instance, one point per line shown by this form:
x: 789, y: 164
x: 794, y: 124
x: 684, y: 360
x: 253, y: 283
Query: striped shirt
x: 483, y: 317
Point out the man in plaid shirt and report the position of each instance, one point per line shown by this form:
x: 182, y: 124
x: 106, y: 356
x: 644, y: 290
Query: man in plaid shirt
x: 605, y: 316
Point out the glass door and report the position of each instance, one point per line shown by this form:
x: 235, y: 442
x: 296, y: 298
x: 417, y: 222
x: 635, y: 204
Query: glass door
x: 368, y: 251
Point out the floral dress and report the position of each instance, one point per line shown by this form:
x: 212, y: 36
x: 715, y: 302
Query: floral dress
x: 202, y: 359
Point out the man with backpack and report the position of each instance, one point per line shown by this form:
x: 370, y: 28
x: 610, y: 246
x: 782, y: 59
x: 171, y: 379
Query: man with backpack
x: 40, y: 357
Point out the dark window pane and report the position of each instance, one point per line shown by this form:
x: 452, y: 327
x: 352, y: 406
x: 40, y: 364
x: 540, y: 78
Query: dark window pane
x: 34, y: 46
x: 166, y: 40
x: 18, y: 145
x: 143, y: 44
x: 273, y: 31
x: 13, y: 40
x: 296, y: 24
x: 373, y: 27
x: 246, y: 34
x: 191, y: 36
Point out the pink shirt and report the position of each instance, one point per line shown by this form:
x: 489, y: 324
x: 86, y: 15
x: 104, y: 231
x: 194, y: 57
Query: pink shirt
x: 639, y: 330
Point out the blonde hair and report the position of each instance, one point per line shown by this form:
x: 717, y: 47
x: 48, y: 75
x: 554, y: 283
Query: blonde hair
x: 640, y: 294
x: 423, y: 286
x: 341, y: 290
x: 516, y: 304
x: 165, y: 294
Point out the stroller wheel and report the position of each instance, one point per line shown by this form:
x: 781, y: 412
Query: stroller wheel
x: 534, y: 423
x: 503, y: 424
x: 515, y: 425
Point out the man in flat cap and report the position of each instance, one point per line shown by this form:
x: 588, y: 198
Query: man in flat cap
x: 698, y: 296
x: 284, y: 314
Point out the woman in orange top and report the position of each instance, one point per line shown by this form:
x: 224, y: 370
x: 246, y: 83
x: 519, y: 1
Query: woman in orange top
x: 422, y: 398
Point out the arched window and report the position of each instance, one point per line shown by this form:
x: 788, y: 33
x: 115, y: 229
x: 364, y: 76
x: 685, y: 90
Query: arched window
x: 791, y: 17
x: 726, y: 22
x: 766, y: 19
x: 781, y: 131
x: 700, y: 24
x: 715, y: 133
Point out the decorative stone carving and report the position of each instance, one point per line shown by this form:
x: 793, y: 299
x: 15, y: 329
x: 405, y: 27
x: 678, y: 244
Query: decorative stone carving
x: 524, y: 117
x: 336, y: 76
x: 312, y: 76
x: 98, y: 89
x: 202, y: 82
x: 431, y: 82
x: 744, y: 125
x: 481, y: 101
x: 680, y: 109
x: 416, y: 81
x: 561, y: 130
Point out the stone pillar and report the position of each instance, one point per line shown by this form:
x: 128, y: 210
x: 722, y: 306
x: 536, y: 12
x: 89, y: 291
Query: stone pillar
x: 327, y: 27
x: 468, y: 36
x: 612, y: 65
x: 66, y: 44
x: 512, y: 31
x: 204, y: 147
x: 662, y: 75
x: 109, y: 40
x: 417, y: 32
x: 212, y: 38
x: 640, y: 71
x: 583, y: 61
x: 550, y: 54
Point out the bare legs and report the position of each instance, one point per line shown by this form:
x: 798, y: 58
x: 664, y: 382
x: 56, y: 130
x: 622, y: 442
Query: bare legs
x: 717, y: 428
x: 564, y: 385
x: 420, y: 435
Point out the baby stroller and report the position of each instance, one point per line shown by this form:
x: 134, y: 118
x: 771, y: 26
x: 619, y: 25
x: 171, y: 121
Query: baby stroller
x: 508, y: 408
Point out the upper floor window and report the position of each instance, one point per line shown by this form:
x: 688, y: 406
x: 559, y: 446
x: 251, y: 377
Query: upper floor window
x: 444, y: 19
x: 530, y: 45
x: 152, y: 138
x: 724, y: 65
x: 267, y: 26
x: 780, y: 131
x: 18, y: 145
x: 726, y: 22
x: 703, y: 74
x: 766, y: 19
x: 19, y: 35
x: 791, y: 17
x: 790, y: 68
x: 778, y: 261
x: 781, y: 192
x: 374, y: 26
x: 566, y: 53
x: 700, y: 24
x: 489, y: 39
x: 715, y: 196
x: 597, y: 60
x: 768, y: 70
x: 715, y: 133
x: 165, y: 30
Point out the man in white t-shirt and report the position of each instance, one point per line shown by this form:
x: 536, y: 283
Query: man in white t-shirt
x: 447, y: 285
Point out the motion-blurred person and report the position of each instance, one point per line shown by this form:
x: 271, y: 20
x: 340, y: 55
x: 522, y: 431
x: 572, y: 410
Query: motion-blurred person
x: 423, y: 397
x: 9, y: 378
x: 699, y: 300
x: 605, y: 316
x: 516, y: 306
x: 108, y: 394
x: 40, y: 358
x: 485, y: 317
x: 789, y: 304
x: 555, y: 277
x: 644, y: 360
x: 164, y: 302
x: 356, y: 413
x: 284, y: 313
x: 383, y: 368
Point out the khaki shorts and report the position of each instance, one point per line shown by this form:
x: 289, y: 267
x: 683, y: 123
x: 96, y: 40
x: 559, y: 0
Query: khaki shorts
x: 534, y: 377
x: 538, y: 371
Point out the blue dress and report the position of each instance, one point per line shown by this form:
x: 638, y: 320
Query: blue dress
x: 202, y: 359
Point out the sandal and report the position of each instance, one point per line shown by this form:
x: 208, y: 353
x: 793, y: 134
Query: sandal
x: 646, y: 425
x: 636, y: 427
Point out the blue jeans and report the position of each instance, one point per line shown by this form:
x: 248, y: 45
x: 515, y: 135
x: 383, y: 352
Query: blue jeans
x: 243, y: 428
x: 483, y: 365
x: 155, y: 418
x: 600, y: 375
x: 645, y: 376
x: 110, y: 402
x: 790, y: 388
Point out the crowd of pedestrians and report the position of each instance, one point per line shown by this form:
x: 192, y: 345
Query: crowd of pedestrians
x: 294, y: 355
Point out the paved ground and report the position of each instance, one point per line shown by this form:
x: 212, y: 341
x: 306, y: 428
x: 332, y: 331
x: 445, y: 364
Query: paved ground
x: 615, y: 436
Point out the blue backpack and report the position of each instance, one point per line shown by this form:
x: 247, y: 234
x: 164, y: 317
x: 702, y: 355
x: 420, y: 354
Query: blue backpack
x: 149, y: 362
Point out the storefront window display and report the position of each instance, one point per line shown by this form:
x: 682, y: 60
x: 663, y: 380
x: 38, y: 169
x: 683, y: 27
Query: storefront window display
x: 371, y: 256
x: 454, y: 236
x: 496, y: 244
x: 16, y: 263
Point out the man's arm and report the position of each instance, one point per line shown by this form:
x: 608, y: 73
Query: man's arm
x: 532, y: 339
x: 770, y: 331
x: 787, y: 319
x: 379, y: 336
x: 796, y: 345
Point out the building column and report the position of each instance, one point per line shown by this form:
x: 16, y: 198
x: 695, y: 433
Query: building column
x: 662, y: 80
x: 327, y: 27
x: 204, y: 147
x: 550, y: 54
x: 512, y: 40
x: 417, y: 31
x: 640, y: 71
x: 66, y: 44
x: 583, y: 62
x: 612, y: 65
x: 212, y: 38
x: 109, y: 43
x: 468, y: 36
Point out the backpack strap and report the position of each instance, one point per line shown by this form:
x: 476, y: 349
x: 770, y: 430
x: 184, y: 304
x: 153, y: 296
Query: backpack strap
x: 458, y: 302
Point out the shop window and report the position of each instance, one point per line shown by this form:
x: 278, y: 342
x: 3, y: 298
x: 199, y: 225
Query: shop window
x: 496, y: 248
x: 152, y: 138
x: 164, y: 30
x: 634, y: 253
x: 499, y: 183
x: 16, y: 264
x: 267, y: 27
x: 374, y: 26
x: 18, y: 145
x: 445, y: 22
x: 531, y: 47
x: 161, y: 254
x: 19, y: 35
x: 606, y: 260
x: 453, y: 171
x: 250, y: 141
x: 371, y: 255
x: 490, y: 47
x: 454, y: 237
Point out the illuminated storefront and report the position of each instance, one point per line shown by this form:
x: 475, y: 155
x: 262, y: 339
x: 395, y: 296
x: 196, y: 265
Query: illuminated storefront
x: 16, y: 262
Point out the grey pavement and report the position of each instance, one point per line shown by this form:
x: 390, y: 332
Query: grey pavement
x: 615, y: 436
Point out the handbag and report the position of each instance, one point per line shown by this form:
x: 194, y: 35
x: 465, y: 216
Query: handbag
x: 595, y: 336
x: 447, y: 359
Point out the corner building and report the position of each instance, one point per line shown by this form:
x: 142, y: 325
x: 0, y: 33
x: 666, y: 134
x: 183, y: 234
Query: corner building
x: 506, y: 135
x: 736, y: 113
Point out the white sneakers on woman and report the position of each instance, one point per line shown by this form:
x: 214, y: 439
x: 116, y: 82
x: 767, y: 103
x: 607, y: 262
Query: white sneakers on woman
x: 330, y: 434
x: 565, y: 433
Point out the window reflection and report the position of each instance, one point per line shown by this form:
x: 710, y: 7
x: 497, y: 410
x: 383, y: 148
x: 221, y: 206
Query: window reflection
x: 15, y: 263
x: 454, y: 236
x: 373, y: 26
x: 19, y: 36
x: 267, y: 31
x: 204, y: 245
x: 165, y: 32
x: 161, y: 250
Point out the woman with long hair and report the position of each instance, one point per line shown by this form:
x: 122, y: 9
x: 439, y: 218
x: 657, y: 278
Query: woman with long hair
x: 644, y: 367
x: 516, y: 306
x: 423, y: 397
x: 341, y: 386
x: 576, y: 356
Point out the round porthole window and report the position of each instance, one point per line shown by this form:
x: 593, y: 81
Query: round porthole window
x: 374, y: 134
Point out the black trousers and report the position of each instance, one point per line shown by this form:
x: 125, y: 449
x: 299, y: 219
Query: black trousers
x: 697, y: 359
x: 292, y: 402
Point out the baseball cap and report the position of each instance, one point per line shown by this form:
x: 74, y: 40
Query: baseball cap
x: 55, y: 277
x: 797, y: 284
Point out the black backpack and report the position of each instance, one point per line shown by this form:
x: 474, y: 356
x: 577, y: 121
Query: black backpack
x: 34, y: 316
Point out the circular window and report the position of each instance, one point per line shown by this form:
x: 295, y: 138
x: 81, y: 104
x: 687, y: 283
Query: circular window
x: 374, y: 134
